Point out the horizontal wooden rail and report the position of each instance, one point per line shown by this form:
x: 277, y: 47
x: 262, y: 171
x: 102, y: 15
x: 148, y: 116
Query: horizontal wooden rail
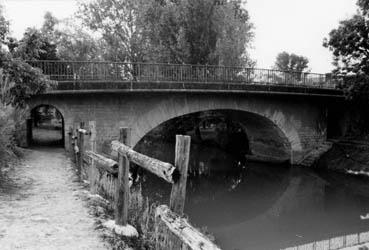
x: 107, y: 164
x: 180, y: 227
x: 164, y: 170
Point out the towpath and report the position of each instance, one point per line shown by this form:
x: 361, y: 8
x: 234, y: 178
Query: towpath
x: 40, y: 207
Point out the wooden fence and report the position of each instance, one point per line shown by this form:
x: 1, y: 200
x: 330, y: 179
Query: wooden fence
x: 111, y: 179
x: 335, y: 243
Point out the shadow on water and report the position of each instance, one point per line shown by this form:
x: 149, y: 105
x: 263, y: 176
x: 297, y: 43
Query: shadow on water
x: 249, y: 205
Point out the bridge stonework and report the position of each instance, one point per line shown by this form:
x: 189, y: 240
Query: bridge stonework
x: 298, y: 122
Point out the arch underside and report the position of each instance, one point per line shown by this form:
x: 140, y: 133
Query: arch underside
x: 267, y: 142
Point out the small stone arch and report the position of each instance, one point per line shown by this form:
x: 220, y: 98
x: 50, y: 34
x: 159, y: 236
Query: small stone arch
x: 31, y: 120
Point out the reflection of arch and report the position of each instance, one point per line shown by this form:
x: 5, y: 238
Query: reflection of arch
x: 266, y: 137
x: 35, y: 120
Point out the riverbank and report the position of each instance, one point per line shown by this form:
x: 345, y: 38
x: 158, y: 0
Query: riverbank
x: 349, y: 157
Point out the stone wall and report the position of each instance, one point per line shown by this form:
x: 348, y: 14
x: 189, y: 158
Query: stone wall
x: 300, y: 121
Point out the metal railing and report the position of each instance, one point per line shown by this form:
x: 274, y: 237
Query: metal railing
x: 140, y: 72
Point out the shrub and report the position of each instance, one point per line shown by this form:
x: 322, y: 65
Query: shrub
x: 9, y: 117
x: 7, y: 142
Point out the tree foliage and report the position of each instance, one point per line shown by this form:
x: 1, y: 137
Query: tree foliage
x: 71, y: 41
x: 198, y: 32
x: 186, y: 31
x: 4, y: 26
x: 291, y: 62
x: 350, y: 46
x: 35, y: 45
x: 74, y: 44
x: 350, y: 42
x: 117, y: 22
x: 20, y: 80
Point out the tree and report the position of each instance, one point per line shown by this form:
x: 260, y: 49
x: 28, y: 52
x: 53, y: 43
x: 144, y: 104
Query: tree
x: 35, y: 46
x: 116, y: 21
x: 349, y: 42
x: 198, y: 31
x: 72, y: 41
x: 20, y: 80
x: 235, y: 36
x: 291, y: 62
x: 27, y: 81
x: 171, y: 31
x: 4, y: 26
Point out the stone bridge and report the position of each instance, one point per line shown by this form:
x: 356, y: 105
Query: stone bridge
x: 284, y: 114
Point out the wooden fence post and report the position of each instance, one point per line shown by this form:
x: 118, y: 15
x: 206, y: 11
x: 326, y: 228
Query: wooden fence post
x: 71, y: 143
x: 75, y: 140
x: 81, y: 150
x: 92, y: 129
x: 178, y: 194
x: 93, y: 171
x: 122, y: 191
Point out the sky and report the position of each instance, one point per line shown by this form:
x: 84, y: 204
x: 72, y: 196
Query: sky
x: 294, y: 26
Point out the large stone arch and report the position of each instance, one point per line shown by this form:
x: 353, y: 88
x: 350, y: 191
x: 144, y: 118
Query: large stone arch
x: 171, y: 108
x: 265, y: 139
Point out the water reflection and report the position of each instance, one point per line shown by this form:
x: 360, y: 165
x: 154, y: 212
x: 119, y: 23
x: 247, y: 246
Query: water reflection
x: 259, y: 206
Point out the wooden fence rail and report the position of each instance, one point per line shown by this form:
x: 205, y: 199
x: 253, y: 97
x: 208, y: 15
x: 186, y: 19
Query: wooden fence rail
x: 164, y: 170
x: 179, y: 234
x: 103, y: 162
x: 189, y: 236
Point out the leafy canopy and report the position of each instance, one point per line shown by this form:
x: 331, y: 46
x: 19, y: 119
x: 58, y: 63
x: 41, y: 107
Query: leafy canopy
x: 199, y: 31
x: 350, y: 42
x: 117, y: 23
x: 291, y: 62
x: 350, y: 46
x: 19, y: 80
x: 186, y: 31
x: 71, y: 41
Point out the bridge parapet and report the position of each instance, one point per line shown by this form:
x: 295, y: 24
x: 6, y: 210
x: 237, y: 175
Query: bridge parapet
x: 88, y: 71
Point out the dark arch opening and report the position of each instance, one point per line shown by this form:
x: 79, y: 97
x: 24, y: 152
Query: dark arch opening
x: 210, y: 128
x: 219, y: 173
x: 46, y: 126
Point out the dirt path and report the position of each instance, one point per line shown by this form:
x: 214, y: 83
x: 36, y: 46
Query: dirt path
x: 40, y: 207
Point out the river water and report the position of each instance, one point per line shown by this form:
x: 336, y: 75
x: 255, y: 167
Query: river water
x: 247, y: 205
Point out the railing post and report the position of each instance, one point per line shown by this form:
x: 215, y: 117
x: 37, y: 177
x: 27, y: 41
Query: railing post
x: 81, y: 150
x: 122, y: 191
x: 182, y: 155
x: 93, y: 170
x: 180, y: 72
x: 206, y: 73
